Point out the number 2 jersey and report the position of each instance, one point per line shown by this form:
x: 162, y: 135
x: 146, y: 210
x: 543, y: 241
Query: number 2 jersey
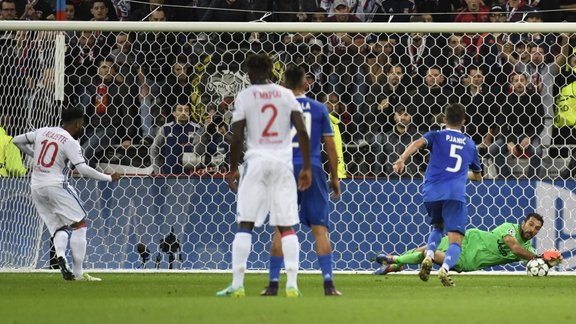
x: 267, y: 109
x: 54, y: 148
x: 452, y: 154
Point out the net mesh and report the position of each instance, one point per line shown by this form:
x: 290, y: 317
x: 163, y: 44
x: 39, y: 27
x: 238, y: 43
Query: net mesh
x: 174, y: 208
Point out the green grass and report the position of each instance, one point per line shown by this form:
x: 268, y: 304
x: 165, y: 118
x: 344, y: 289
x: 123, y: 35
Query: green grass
x: 189, y: 298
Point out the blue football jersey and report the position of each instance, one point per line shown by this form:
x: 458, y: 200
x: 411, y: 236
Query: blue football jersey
x: 317, y: 125
x: 452, y: 154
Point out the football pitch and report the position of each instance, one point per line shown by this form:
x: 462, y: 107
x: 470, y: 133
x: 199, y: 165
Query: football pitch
x: 189, y: 298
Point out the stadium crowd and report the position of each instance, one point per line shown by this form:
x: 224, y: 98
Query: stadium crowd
x: 163, y: 100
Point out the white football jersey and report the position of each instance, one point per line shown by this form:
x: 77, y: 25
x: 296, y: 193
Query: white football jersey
x: 267, y: 109
x: 53, y: 149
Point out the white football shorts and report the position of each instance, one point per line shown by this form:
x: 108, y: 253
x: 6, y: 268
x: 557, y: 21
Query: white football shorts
x: 58, y: 206
x: 267, y: 186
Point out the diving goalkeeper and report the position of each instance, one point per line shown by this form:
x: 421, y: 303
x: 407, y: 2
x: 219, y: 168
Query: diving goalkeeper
x: 507, y: 243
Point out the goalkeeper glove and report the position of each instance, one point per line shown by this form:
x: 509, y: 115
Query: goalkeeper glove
x: 552, y: 257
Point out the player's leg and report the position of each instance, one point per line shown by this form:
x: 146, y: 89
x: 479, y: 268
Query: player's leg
x: 325, y: 258
x: 275, y: 265
x: 78, y: 244
x: 455, y: 219
x: 291, y: 252
x: 253, y: 205
x: 284, y: 215
x: 434, y: 210
x: 314, y: 213
x: 43, y: 200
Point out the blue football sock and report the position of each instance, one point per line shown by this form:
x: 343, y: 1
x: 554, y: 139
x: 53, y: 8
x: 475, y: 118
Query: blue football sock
x: 326, y: 261
x: 433, y: 242
x: 275, y: 267
x: 452, y: 255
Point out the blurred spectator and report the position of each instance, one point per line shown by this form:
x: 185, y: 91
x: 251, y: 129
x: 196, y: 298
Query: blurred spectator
x: 283, y: 10
x: 429, y: 100
x: 145, y: 11
x: 179, y: 145
x: 517, y: 9
x: 10, y: 157
x: 70, y: 10
x: 8, y: 10
x: 475, y: 11
x: 457, y: 63
x: 383, y: 11
x: 542, y: 75
x: 442, y: 10
x: 80, y: 58
x: 389, y: 145
x: 497, y: 14
x: 99, y: 11
x: 110, y: 112
x: 37, y: 10
x: 303, y: 42
x: 481, y: 105
x: 228, y: 11
x: 345, y: 48
x: 153, y: 52
x: 218, y: 149
x: 417, y: 52
x: 521, y: 121
x: 178, y: 84
x: 318, y: 70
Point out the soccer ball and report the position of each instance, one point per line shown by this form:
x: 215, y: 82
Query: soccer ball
x: 537, y: 268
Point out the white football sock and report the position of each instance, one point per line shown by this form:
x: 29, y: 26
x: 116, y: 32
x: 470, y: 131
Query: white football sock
x: 60, y: 243
x: 291, y: 250
x: 78, y: 247
x: 430, y: 253
x: 241, y: 248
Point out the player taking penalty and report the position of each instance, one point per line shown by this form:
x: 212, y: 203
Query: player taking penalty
x: 444, y: 190
x: 54, y: 150
x: 265, y: 112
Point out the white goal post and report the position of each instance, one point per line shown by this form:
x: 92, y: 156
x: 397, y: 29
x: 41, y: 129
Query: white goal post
x: 184, y: 217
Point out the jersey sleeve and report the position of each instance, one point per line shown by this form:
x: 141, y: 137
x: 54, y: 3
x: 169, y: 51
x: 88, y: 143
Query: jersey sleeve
x: 429, y: 138
x: 23, y: 141
x: 475, y: 165
x: 239, y: 112
x: 74, y: 152
x: 326, y: 124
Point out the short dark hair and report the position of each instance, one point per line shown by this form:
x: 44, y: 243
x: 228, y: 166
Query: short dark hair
x: 455, y: 114
x: 293, y: 76
x: 259, y: 66
x: 536, y: 216
x: 71, y: 113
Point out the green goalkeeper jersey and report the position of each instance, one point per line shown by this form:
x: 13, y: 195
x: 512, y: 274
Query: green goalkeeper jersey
x: 481, y: 249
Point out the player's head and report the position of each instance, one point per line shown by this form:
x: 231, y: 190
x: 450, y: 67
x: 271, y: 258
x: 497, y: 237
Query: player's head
x: 531, y: 225
x: 73, y: 120
x: 454, y: 115
x: 295, y: 78
x: 259, y: 67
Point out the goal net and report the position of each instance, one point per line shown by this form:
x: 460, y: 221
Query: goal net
x: 384, y: 84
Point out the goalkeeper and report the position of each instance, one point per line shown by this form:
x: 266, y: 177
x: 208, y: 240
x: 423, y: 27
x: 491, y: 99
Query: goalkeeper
x: 507, y: 243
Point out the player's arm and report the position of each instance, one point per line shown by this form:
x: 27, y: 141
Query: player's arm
x: 474, y: 176
x: 517, y: 248
x: 236, y: 147
x: 24, y: 141
x: 410, y: 150
x: 305, y: 178
x: 330, y: 147
x: 88, y: 172
x: 73, y: 152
